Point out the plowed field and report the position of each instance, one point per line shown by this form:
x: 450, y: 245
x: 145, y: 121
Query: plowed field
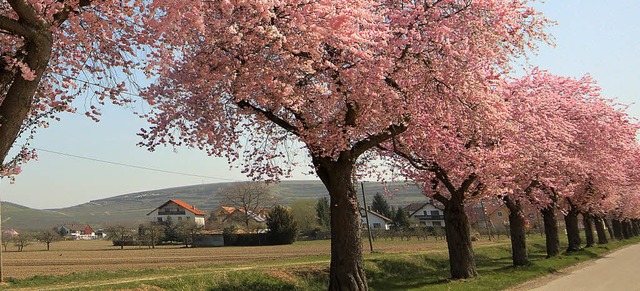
x: 80, y: 256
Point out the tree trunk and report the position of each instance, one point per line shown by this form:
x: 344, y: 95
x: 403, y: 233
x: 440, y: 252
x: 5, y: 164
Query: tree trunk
x: 636, y: 230
x: 347, y: 264
x: 602, y: 235
x: 573, y: 231
x: 617, y: 229
x: 517, y: 232
x: 551, y: 231
x: 626, y: 229
x: 587, y: 221
x: 609, y: 227
x: 457, y: 229
x: 48, y: 246
x: 19, y: 97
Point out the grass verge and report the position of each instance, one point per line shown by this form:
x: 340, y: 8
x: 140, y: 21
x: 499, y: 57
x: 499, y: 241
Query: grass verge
x: 393, y: 271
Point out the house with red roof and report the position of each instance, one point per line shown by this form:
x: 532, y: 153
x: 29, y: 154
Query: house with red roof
x: 77, y: 231
x: 177, y: 210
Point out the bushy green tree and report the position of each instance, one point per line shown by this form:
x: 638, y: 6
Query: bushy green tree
x: 324, y: 213
x: 401, y: 220
x: 380, y: 205
x: 282, y: 227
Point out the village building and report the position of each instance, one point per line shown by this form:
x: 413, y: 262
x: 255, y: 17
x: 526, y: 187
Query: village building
x: 377, y: 221
x: 426, y: 213
x: 77, y: 231
x: 177, y: 210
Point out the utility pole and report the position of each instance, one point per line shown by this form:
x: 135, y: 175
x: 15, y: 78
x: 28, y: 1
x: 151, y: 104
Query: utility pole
x: 366, y: 215
x: 1, y: 233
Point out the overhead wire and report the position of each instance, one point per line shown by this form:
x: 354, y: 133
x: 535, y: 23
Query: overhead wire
x: 131, y: 165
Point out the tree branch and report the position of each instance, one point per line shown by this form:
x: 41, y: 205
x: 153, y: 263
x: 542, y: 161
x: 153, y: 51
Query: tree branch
x: 270, y: 116
x: 442, y: 175
x: 467, y: 182
x: 374, y: 140
x: 15, y: 27
x: 26, y: 13
x: 63, y: 15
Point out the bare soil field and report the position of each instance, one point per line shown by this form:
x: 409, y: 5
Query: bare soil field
x: 81, y: 256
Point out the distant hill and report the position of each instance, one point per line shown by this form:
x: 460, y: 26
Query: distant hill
x: 133, y: 208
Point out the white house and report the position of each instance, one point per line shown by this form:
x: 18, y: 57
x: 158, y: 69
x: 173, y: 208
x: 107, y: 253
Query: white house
x: 77, y: 231
x: 427, y: 213
x: 177, y: 210
x: 376, y: 220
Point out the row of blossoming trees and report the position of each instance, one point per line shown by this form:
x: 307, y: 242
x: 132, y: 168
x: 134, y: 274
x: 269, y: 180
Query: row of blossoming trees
x: 554, y: 144
x: 422, y: 84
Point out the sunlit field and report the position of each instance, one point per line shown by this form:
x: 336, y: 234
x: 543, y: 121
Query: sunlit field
x: 79, y: 256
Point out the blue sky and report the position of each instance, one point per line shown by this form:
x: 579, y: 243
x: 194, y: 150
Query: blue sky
x: 601, y: 38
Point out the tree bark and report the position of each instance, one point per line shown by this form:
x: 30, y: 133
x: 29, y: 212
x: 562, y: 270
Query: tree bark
x: 19, y: 97
x: 602, y: 235
x: 626, y: 233
x: 609, y: 227
x: 461, y: 257
x: 347, y: 264
x: 634, y: 225
x: 551, y: 231
x: 617, y: 229
x: 587, y: 221
x: 573, y: 231
x: 518, y: 232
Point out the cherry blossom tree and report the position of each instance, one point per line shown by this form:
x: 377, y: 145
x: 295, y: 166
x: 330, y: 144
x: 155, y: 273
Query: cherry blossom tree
x: 541, y: 105
x: 250, y: 80
x: 562, y: 151
x: 453, y: 148
x: 53, y: 51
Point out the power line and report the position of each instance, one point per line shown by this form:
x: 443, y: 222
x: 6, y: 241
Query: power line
x: 132, y: 166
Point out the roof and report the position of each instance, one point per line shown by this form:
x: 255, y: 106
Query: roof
x: 259, y: 217
x: 182, y: 204
x: 76, y: 227
x: 377, y: 214
x: 414, y: 207
x: 228, y: 209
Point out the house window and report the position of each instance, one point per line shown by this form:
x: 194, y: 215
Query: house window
x: 179, y: 218
x: 435, y: 212
x: 377, y: 225
x: 499, y: 213
x: 424, y: 212
x: 159, y: 219
x: 437, y: 223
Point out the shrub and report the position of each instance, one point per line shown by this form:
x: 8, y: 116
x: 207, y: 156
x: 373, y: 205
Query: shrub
x: 282, y: 227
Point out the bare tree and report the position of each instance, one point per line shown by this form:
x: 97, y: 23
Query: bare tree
x: 48, y: 236
x: 150, y: 233
x: 120, y: 235
x: 251, y: 198
x: 22, y: 240
x: 6, y: 239
x: 187, y: 230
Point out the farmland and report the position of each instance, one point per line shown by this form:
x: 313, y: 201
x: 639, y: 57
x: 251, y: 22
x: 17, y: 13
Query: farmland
x: 396, y: 265
x: 67, y: 257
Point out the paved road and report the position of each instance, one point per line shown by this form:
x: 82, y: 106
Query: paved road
x: 619, y: 270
